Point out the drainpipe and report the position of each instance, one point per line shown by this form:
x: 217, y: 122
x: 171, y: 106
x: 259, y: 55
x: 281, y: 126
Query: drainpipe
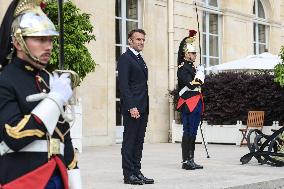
x: 171, y: 82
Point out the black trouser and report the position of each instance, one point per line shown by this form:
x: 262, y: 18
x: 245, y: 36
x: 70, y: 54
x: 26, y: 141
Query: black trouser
x: 132, y: 145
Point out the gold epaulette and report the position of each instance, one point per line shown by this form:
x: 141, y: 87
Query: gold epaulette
x: 181, y: 65
x: 194, y: 82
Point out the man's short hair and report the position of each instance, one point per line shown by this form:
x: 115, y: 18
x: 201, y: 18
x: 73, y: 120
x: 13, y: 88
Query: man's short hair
x: 136, y: 30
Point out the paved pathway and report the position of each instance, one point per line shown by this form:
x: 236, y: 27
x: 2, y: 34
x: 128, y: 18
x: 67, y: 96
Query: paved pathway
x: 101, y: 169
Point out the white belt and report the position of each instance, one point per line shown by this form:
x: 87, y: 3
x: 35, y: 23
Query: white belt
x: 35, y: 146
x: 183, y: 90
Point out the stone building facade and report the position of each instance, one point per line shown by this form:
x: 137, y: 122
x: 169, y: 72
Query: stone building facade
x: 229, y: 29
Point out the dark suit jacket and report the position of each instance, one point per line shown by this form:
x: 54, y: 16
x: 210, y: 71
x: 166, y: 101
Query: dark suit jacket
x: 133, y: 76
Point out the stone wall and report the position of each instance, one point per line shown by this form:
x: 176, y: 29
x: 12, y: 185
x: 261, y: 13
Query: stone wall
x: 98, y: 89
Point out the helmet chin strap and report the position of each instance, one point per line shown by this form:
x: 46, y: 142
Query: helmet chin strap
x: 20, y: 39
x: 35, y: 59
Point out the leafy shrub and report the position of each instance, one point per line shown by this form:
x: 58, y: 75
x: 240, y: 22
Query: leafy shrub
x: 279, y: 69
x: 77, y: 32
x: 174, y: 95
x: 229, y: 96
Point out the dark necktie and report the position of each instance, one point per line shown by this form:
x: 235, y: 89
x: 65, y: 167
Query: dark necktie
x: 140, y: 57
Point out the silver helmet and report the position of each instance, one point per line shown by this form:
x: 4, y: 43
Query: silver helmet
x: 190, y: 45
x: 30, y: 20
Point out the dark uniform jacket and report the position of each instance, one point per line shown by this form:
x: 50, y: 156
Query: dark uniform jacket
x: 133, y: 76
x: 18, y: 127
x: 186, y: 73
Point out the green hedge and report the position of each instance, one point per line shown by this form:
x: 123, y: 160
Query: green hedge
x: 229, y: 96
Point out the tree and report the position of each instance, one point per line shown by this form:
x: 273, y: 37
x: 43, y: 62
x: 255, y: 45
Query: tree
x: 77, y: 32
x: 279, y: 69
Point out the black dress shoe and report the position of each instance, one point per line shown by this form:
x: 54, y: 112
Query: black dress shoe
x: 133, y: 180
x: 197, y: 166
x: 145, y: 179
x: 188, y: 165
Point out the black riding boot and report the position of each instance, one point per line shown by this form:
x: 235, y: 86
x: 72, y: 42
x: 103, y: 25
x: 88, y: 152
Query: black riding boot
x: 186, y: 163
x: 184, y: 148
x: 191, y: 153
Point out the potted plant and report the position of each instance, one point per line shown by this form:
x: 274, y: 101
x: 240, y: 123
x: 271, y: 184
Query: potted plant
x: 78, y: 31
x: 279, y: 69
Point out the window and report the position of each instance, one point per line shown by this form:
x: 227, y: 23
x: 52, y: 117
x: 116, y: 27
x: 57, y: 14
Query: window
x: 126, y: 19
x: 213, y: 3
x: 260, y: 28
x: 211, y: 33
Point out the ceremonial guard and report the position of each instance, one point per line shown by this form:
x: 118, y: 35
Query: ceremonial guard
x: 36, y: 150
x: 190, y: 102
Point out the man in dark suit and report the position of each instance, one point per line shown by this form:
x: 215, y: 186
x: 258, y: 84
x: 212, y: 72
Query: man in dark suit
x: 133, y: 76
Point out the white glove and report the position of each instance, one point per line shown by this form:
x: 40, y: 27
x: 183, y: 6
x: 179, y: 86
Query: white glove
x: 74, y: 179
x: 60, y: 87
x: 50, y: 108
x: 200, y: 75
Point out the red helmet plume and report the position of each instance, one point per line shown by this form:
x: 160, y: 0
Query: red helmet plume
x: 192, y: 33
